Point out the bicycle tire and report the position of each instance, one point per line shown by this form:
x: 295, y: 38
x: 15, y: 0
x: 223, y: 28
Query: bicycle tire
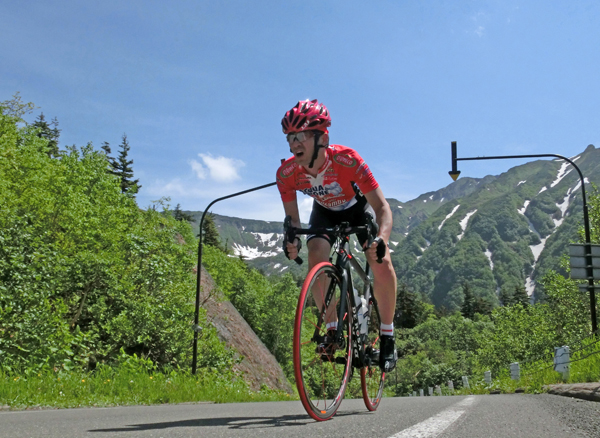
x: 321, y: 377
x: 372, y: 379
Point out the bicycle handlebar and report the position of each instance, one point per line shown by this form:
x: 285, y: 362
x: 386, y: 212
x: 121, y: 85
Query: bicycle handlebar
x: 338, y: 231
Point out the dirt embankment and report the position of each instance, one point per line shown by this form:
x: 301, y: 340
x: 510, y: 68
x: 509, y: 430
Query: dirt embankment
x: 258, y: 366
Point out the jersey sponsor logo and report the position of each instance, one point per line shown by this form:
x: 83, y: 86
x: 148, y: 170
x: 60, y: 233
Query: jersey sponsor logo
x: 333, y: 189
x: 344, y: 160
x: 335, y: 203
x: 288, y: 170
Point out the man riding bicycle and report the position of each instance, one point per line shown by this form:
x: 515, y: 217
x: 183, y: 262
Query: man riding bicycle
x: 344, y: 190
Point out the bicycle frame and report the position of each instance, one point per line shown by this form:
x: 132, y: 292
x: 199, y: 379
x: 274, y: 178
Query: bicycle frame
x: 344, y: 262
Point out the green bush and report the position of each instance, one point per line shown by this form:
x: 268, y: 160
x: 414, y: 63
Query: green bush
x: 84, y: 272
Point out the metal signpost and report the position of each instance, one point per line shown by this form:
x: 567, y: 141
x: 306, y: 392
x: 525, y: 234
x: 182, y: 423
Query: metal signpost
x: 587, y: 247
x: 196, y: 328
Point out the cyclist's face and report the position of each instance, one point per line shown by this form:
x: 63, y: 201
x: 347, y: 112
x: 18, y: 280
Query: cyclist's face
x: 302, y: 150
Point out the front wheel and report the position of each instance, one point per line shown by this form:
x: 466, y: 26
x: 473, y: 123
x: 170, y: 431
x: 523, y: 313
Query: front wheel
x: 371, y: 376
x: 321, y: 367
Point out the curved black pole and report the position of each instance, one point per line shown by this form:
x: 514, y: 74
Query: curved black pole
x: 586, y: 220
x: 199, y: 269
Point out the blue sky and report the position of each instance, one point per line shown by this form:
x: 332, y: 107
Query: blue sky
x: 200, y: 87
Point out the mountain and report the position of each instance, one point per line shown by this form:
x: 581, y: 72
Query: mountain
x: 498, y: 232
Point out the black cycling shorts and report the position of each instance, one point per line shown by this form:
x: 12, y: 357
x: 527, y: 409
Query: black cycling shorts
x: 322, y: 217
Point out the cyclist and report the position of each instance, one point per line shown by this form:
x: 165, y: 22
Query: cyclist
x: 343, y: 189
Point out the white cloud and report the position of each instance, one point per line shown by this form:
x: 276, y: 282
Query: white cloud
x: 198, y: 169
x: 480, y: 31
x: 221, y: 169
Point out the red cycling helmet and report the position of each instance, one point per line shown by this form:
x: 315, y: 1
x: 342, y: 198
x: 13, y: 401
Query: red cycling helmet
x: 307, y: 115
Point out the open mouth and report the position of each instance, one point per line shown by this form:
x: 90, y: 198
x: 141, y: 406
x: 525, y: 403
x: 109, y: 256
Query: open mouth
x: 299, y: 154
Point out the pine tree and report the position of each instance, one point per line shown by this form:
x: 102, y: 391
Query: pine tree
x: 210, y: 234
x: 106, y: 148
x: 482, y: 306
x: 180, y: 215
x: 507, y: 297
x: 408, y: 308
x: 468, y: 308
x: 520, y: 296
x: 50, y: 132
x: 121, y: 167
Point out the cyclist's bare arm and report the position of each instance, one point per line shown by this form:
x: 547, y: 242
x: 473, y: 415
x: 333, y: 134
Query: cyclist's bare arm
x: 291, y: 209
x: 383, y: 213
x: 383, y: 216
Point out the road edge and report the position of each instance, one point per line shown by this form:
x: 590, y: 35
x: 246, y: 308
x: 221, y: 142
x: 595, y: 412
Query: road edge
x: 584, y: 391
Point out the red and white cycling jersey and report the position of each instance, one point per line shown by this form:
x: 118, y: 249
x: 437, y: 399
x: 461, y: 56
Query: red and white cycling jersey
x: 332, y: 187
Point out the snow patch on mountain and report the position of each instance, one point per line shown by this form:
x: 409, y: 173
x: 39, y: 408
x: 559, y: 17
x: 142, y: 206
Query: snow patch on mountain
x: 464, y: 222
x: 578, y: 186
x: 489, y: 254
x: 427, y: 245
x: 537, y: 249
x: 525, y: 204
x: 250, y: 253
x: 565, y: 204
x: 529, y: 285
x: 448, y: 216
x: 267, y: 239
x: 562, y: 172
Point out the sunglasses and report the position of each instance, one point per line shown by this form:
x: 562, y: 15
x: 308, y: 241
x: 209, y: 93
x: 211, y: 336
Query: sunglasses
x: 299, y: 136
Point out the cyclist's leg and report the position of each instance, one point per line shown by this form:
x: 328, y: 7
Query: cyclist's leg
x: 384, y: 285
x: 384, y: 289
x: 319, y: 248
x: 318, y: 251
x: 384, y: 282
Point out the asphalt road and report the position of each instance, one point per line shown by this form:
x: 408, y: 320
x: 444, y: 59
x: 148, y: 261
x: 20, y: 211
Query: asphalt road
x: 517, y: 415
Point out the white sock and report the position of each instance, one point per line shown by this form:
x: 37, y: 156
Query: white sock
x: 387, y: 329
x: 331, y: 325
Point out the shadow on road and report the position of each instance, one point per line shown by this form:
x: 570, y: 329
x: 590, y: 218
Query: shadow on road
x: 231, y: 422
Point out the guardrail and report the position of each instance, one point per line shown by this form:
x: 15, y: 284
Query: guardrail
x: 559, y: 360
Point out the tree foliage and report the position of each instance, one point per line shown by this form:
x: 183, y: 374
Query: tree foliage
x: 49, y: 132
x: 180, y: 215
x: 84, y: 272
x: 122, y: 168
x: 210, y: 233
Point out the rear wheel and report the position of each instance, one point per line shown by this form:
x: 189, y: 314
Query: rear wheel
x: 322, y: 368
x: 371, y: 376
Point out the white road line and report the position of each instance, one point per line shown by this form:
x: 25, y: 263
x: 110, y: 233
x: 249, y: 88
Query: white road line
x: 435, y: 425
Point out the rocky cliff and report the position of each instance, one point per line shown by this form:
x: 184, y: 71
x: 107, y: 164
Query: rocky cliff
x: 258, y: 366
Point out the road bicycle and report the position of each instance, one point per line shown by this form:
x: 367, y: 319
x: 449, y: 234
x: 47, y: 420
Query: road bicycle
x: 336, y: 328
